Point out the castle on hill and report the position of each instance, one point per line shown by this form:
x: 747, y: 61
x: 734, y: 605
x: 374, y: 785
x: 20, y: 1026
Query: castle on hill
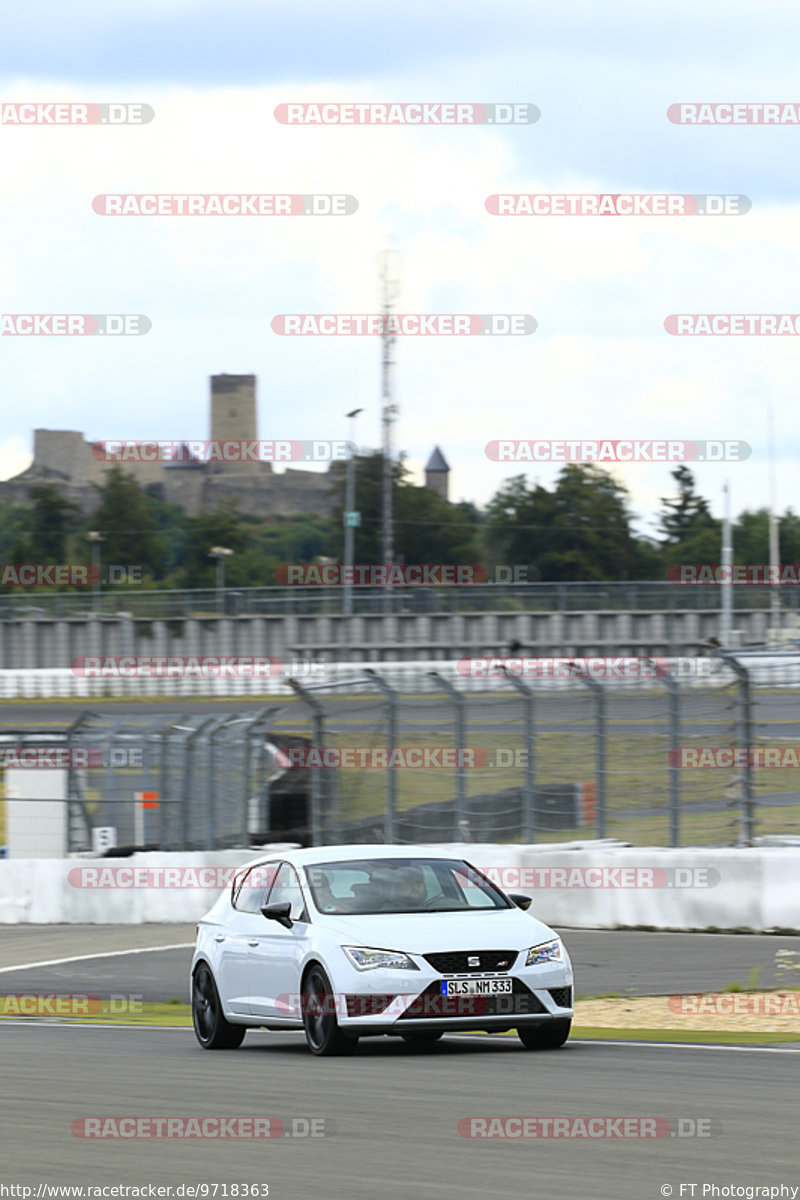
x: 197, y: 483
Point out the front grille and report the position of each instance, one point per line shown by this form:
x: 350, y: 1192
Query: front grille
x: 454, y: 962
x: 431, y: 1004
x: 561, y: 996
x: 367, y: 1005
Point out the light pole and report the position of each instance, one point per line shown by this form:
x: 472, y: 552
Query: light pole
x: 220, y: 553
x: 352, y: 520
x: 95, y: 538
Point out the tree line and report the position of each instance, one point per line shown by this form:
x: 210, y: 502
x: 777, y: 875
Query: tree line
x: 580, y: 530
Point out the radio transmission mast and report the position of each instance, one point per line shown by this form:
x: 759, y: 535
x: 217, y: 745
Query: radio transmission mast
x: 389, y: 273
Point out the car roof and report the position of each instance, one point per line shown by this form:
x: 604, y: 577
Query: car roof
x: 330, y: 854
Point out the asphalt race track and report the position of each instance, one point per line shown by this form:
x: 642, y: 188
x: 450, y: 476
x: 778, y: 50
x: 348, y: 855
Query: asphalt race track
x: 390, y: 1115
x: 605, y: 961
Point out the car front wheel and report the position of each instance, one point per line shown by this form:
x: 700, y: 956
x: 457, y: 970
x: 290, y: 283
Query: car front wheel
x: 322, y: 1031
x: 545, y: 1037
x: 211, y: 1029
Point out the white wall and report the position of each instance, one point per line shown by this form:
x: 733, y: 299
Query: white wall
x: 754, y: 889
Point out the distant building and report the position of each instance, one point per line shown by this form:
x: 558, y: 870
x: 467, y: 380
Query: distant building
x: 66, y: 460
x: 436, y: 473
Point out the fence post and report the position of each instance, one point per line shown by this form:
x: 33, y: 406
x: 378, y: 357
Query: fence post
x: 528, y: 790
x: 599, y: 692
x: 461, y: 798
x: 74, y: 796
x: 673, y: 690
x: 318, y: 715
x: 188, y: 770
x: 252, y: 728
x: 745, y: 722
x: 390, y: 810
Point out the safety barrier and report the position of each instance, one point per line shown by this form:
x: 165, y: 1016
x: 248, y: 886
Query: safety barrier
x: 580, y: 885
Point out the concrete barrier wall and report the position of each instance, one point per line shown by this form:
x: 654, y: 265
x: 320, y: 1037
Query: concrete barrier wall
x: 39, y: 641
x: 579, y: 885
x: 413, y: 675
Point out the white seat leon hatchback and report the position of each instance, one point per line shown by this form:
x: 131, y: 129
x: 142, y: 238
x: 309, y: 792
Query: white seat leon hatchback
x: 348, y: 942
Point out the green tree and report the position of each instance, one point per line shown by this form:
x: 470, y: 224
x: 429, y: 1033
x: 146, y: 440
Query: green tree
x: 15, y: 533
x: 126, y: 519
x: 685, y: 515
x: 427, y: 529
x: 52, y: 517
x: 579, y: 531
x: 223, y: 527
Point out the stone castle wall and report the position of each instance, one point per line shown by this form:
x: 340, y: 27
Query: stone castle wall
x: 63, y: 458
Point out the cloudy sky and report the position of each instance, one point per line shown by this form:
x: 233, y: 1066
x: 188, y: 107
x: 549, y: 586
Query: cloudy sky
x: 600, y: 364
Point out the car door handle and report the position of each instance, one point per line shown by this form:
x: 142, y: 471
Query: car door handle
x: 220, y: 937
x: 255, y: 943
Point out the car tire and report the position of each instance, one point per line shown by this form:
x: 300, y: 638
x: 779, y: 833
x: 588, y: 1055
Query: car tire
x: 545, y: 1037
x: 211, y: 1029
x: 323, y: 1034
x: 422, y: 1037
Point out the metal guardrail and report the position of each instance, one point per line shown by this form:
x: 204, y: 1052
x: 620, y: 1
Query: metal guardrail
x: 638, y: 596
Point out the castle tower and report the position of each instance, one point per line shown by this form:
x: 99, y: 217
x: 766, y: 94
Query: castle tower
x: 233, y: 412
x: 436, y: 473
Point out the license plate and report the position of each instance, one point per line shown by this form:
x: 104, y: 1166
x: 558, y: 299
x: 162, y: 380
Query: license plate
x: 477, y: 987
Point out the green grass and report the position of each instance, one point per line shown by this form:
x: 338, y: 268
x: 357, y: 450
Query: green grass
x: 180, y: 1016
x: 724, y: 1036
x: 143, y: 1013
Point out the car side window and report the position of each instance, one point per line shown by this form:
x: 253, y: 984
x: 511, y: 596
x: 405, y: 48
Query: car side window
x: 287, y: 888
x: 254, y: 887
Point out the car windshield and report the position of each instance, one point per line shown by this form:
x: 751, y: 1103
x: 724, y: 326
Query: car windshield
x: 401, y: 885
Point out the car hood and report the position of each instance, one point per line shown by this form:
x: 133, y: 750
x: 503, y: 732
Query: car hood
x: 423, y: 933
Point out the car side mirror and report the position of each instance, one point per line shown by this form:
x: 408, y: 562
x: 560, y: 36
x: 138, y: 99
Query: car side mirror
x: 523, y: 902
x: 279, y: 912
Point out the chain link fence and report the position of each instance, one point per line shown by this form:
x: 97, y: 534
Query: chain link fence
x: 432, y: 756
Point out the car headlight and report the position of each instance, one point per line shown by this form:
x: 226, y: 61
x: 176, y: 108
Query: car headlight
x: 545, y: 952
x: 366, y: 959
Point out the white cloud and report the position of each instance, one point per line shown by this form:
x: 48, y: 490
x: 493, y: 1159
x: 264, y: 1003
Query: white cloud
x: 600, y: 364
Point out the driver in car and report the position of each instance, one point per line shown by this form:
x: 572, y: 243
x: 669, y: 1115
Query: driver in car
x: 411, y: 890
x: 325, y: 900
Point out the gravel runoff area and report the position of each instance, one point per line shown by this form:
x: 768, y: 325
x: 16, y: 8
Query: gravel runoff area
x: 757, y: 1012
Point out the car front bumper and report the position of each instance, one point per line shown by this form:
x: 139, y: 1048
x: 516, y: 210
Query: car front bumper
x: 384, y: 1001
